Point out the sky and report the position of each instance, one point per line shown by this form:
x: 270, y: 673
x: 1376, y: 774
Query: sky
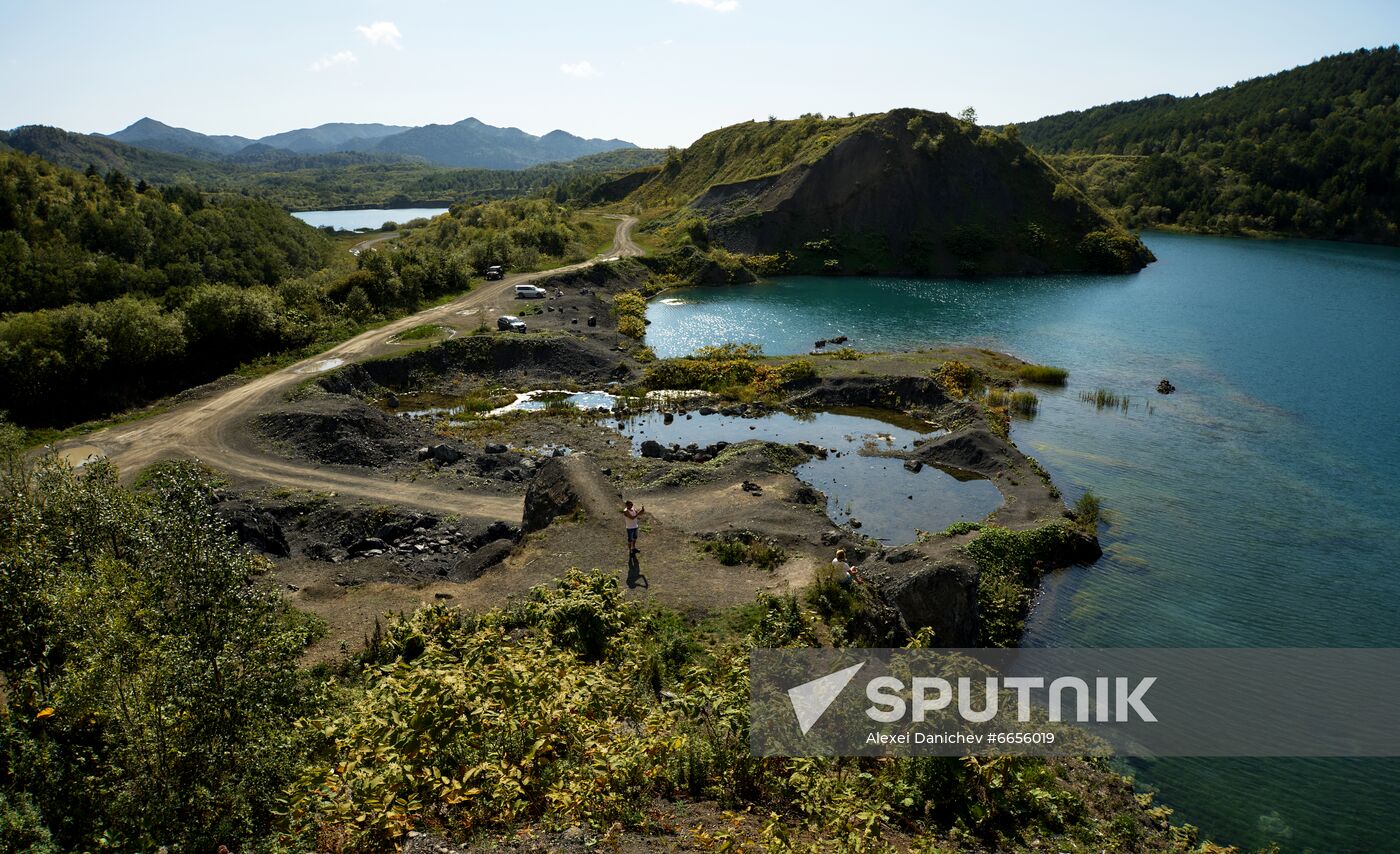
x: 654, y: 72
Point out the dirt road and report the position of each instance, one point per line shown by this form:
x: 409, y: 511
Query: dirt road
x: 215, y: 430
x: 367, y: 244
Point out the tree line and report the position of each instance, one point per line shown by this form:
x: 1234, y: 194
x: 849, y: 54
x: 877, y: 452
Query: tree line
x: 1314, y: 151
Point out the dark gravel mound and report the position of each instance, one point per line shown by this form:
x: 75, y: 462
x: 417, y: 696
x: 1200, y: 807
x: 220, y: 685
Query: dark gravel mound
x: 341, y: 432
x: 887, y: 392
x: 532, y: 358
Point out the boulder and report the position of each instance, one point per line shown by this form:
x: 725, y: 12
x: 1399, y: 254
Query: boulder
x: 445, y: 454
x: 495, y: 448
x: 941, y: 596
x: 474, y: 564
x: 914, y: 465
x: 563, y: 485
x: 399, y: 528
x: 1165, y: 387
x: 369, y: 545
x: 651, y: 449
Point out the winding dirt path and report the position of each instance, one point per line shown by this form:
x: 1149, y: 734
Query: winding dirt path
x: 367, y: 244
x: 215, y: 430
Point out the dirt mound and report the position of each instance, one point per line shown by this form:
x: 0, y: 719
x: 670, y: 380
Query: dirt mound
x: 896, y: 393
x: 564, y: 485
x: 341, y: 432
x: 506, y: 357
x: 975, y: 450
x: 254, y: 526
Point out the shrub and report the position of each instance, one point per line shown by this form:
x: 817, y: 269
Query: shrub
x: 172, y: 676
x: 631, y: 310
x: 1009, y: 563
x: 958, y: 379
x: 745, y: 548
x: 1086, y: 512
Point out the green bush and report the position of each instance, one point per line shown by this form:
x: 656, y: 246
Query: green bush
x: 631, y: 310
x: 745, y: 548
x: 149, y: 683
x: 1086, y: 512
x: 1009, y: 564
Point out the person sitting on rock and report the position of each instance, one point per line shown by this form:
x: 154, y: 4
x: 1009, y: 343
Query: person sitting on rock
x: 846, y: 575
x: 632, y: 524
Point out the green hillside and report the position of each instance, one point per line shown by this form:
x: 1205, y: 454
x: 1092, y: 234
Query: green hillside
x: 909, y: 192
x: 113, y: 293
x: 744, y: 151
x: 69, y: 237
x: 312, y: 181
x: 78, y: 151
x: 1312, y: 151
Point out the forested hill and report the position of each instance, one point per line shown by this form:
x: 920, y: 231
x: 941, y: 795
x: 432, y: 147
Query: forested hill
x: 114, y: 292
x: 1312, y: 151
x: 66, y: 236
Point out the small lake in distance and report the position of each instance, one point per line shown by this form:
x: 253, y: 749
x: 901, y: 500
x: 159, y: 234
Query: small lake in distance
x: 1257, y: 506
x: 368, y: 218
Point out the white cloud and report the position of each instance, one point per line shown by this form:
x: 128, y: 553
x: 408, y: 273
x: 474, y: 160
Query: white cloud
x: 345, y: 57
x: 712, y: 5
x: 382, y: 33
x: 583, y: 68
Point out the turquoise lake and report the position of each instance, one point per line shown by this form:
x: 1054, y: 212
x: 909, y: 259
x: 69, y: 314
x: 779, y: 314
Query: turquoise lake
x: 1256, y: 506
x: 366, y: 218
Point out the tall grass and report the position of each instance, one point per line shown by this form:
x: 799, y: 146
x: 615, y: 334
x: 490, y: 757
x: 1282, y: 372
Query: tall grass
x: 1102, y: 398
x: 1024, y: 404
x: 1042, y: 374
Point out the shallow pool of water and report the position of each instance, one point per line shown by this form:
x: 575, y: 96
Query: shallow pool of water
x: 891, y: 503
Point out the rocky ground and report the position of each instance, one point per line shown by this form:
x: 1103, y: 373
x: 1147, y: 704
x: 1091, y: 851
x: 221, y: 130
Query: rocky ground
x: 541, y: 492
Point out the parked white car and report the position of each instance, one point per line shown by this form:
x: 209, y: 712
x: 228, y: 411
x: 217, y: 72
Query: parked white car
x: 530, y: 292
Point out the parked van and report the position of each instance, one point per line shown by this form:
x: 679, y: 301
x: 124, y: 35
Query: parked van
x: 495, y: 272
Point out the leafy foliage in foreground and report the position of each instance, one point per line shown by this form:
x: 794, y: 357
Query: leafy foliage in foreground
x: 1312, y: 151
x: 151, y: 698
x: 579, y: 709
x: 148, y: 685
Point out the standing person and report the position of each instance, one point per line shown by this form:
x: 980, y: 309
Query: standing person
x: 847, y: 575
x: 632, y: 524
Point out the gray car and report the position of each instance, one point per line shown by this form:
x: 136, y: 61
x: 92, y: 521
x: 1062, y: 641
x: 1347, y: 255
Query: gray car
x: 510, y: 323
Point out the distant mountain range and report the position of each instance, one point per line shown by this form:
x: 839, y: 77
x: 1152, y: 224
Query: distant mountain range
x: 468, y: 143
